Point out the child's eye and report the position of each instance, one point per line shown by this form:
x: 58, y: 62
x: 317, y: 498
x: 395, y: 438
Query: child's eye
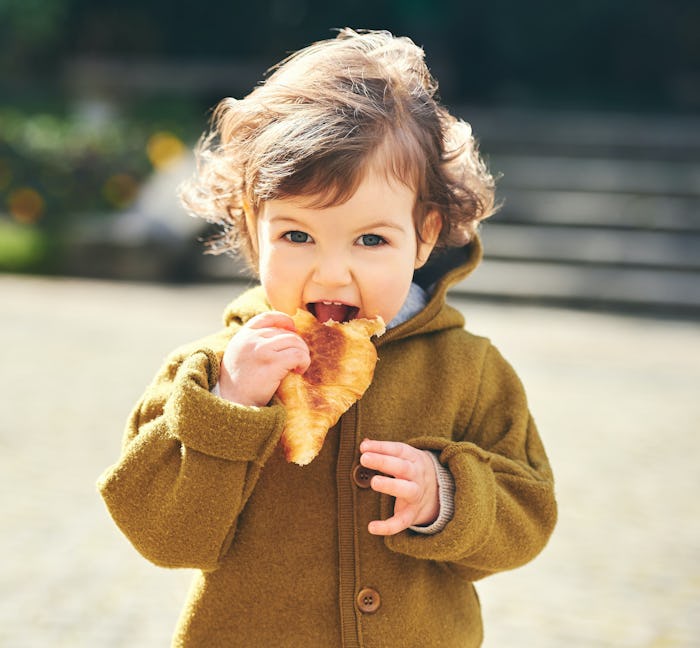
x: 371, y: 240
x: 296, y: 236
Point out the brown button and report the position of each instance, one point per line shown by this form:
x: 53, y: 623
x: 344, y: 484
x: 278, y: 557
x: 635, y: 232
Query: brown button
x: 362, y: 476
x: 368, y: 600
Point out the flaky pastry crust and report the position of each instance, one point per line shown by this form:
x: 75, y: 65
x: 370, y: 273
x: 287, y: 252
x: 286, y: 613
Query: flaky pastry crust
x: 343, y: 359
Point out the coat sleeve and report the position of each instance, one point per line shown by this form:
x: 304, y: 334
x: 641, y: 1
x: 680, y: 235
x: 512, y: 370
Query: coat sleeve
x: 505, y: 508
x: 188, y: 465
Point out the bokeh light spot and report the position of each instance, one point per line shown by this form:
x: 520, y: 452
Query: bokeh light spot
x: 164, y: 148
x: 120, y: 189
x: 26, y: 205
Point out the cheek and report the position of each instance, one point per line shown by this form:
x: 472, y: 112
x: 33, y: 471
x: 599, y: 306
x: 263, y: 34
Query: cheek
x: 267, y: 273
x: 386, y: 288
x: 281, y: 279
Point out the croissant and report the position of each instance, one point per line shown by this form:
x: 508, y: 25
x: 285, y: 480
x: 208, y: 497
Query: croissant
x: 343, y: 359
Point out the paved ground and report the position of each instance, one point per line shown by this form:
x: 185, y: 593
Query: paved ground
x: 617, y: 400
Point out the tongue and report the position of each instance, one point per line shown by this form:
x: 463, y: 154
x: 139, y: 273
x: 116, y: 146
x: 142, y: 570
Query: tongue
x: 336, y: 312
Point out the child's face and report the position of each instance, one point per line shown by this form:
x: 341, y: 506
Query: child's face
x: 345, y: 261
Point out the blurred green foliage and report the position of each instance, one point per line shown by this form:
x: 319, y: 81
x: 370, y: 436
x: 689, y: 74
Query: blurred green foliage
x: 52, y: 169
x: 66, y: 160
x: 23, y: 248
x: 58, y: 166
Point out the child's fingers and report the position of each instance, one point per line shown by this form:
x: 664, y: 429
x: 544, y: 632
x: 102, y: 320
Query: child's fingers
x: 393, y: 525
x: 281, y: 341
x: 389, y: 465
x: 295, y: 358
x: 391, y: 448
x: 272, y: 319
x: 287, y: 350
x: 283, y: 345
x: 259, y: 357
x: 395, y: 449
x: 408, y: 476
x: 401, y: 489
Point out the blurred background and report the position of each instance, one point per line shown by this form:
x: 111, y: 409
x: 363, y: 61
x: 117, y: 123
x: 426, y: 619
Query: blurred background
x: 588, y: 111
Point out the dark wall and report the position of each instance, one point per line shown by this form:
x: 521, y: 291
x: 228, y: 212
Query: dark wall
x: 604, y: 54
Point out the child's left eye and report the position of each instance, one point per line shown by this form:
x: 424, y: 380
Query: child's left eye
x: 371, y: 240
x: 296, y: 236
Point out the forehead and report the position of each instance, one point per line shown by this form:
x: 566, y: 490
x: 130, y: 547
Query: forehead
x: 377, y: 194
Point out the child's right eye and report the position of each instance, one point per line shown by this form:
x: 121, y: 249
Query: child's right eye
x: 297, y: 237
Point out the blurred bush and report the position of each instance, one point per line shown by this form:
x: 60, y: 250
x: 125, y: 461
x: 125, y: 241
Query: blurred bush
x: 60, y: 167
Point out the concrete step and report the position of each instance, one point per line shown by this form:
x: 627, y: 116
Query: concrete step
x: 608, y: 175
x: 596, y: 209
x: 584, y: 134
x: 605, y: 246
x: 669, y: 291
x: 599, y: 209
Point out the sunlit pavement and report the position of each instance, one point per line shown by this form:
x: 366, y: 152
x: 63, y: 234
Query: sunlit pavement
x: 617, y: 402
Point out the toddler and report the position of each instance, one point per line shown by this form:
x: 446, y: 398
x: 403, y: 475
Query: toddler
x: 352, y: 193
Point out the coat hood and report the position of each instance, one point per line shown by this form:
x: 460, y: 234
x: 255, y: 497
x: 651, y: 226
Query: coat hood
x: 448, y: 267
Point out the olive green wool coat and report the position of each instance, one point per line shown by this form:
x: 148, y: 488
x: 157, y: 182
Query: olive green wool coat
x: 283, y: 554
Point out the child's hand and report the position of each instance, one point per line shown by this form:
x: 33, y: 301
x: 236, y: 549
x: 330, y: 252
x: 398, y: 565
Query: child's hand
x: 259, y: 356
x: 412, y: 481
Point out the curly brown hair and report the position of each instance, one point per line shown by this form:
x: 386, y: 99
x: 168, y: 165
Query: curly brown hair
x: 315, y: 126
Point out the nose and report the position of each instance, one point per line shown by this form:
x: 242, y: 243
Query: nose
x: 332, y: 269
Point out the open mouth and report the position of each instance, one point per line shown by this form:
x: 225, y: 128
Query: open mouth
x: 329, y: 310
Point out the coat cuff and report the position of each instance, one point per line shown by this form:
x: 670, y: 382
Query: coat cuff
x: 446, y: 497
x: 214, y: 426
x: 474, y: 503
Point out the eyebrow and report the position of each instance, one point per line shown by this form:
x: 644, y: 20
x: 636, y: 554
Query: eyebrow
x: 380, y: 224
x: 282, y: 217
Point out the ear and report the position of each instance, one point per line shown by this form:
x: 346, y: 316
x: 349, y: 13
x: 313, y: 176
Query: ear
x: 432, y: 227
x: 251, y: 224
